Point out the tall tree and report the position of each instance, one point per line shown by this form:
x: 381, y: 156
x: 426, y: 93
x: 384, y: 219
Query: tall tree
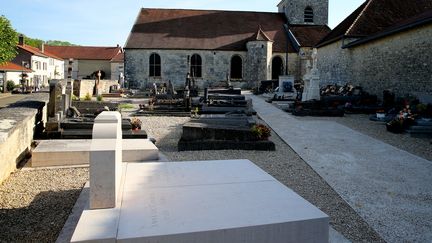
x: 8, y: 40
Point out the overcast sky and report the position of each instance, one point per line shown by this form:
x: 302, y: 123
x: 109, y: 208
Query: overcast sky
x: 108, y: 22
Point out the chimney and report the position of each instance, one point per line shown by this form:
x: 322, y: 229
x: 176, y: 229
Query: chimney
x: 21, y: 40
x: 43, y: 47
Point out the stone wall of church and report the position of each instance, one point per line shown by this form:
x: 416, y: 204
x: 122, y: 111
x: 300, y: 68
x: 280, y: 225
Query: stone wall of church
x: 400, y: 62
x: 215, y: 67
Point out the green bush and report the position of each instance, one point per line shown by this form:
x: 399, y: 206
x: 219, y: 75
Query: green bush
x: 87, y: 97
x: 10, y: 85
x: 99, y: 98
x: 74, y: 98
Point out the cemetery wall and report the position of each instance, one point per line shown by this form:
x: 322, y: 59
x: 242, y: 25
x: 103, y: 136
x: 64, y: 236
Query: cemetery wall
x: 17, y: 126
x: 400, y: 62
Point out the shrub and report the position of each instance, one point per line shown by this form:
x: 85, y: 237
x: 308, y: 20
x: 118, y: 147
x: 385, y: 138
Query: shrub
x: 74, y: 98
x: 10, y: 85
x: 261, y: 131
x: 99, y: 98
x: 87, y: 97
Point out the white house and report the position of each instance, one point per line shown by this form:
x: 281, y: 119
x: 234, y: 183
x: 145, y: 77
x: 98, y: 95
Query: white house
x: 45, y: 65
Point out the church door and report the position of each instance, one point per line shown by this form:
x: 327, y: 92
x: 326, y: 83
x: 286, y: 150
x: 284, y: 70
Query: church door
x: 277, y: 67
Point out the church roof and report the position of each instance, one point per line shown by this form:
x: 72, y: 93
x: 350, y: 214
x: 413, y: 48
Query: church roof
x: 261, y: 36
x: 375, y: 17
x: 207, y: 30
x: 84, y: 52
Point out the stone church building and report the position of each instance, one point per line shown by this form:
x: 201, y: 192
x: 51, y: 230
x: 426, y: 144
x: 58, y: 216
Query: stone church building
x: 383, y: 45
x: 213, y: 46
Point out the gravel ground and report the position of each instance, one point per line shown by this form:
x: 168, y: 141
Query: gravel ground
x: 34, y: 204
x: 284, y: 164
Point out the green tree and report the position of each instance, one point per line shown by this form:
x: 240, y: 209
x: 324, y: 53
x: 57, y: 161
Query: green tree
x: 8, y: 40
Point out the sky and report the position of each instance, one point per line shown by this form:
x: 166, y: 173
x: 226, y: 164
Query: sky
x: 108, y: 22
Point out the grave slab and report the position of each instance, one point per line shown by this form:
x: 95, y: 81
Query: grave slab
x: 77, y: 152
x: 210, y: 201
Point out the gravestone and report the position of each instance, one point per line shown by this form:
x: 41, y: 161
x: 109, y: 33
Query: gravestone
x: 311, y: 80
x: 105, y: 160
x: 284, y: 92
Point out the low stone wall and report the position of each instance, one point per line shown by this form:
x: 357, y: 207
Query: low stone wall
x: 18, y: 124
x: 82, y: 87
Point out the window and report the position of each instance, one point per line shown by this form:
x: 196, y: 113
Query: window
x: 308, y: 15
x: 236, y: 67
x: 44, y: 66
x: 155, y: 65
x: 196, y: 66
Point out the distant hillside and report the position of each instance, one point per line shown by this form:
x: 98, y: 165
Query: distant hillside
x: 38, y: 42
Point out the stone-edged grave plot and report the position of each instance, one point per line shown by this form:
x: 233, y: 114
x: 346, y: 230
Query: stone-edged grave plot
x: 201, y: 201
x: 222, y: 132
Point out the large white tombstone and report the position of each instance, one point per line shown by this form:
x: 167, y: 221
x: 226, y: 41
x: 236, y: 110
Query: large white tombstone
x: 205, y: 202
x: 105, y: 160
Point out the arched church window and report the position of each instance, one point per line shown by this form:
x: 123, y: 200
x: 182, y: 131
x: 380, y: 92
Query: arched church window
x: 155, y: 65
x: 308, y: 15
x: 196, y: 66
x: 236, y: 67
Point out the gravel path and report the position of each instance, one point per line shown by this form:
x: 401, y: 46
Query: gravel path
x: 284, y: 164
x: 34, y: 204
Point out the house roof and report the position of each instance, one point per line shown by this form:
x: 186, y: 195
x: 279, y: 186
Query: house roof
x: 376, y: 16
x: 309, y: 35
x: 84, y: 52
x: 118, y: 58
x: 37, y: 52
x: 207, y: 30
x: 9, y: 66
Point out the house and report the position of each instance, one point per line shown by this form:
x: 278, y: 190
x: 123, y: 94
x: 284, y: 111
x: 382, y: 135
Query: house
x: 213, y: 46
x: 12, y: 72
x: 383, y: 45
x: 45, y: 65
x: 85, y: 61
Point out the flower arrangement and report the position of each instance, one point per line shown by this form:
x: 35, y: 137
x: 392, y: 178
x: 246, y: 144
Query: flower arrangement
x: 261, y: 131
x: 136, y: 123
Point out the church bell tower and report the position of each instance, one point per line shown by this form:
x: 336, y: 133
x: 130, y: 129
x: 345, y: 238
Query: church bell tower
x: 311, y: 12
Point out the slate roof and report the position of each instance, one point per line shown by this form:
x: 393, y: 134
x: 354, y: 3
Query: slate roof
x: 210, y: 30
x: 9, y: 66
x: 84, y: 52
x: 375, y: 17
x: 35, y: 51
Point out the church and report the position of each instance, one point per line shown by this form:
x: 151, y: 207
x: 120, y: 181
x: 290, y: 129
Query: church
x: 211, y: 46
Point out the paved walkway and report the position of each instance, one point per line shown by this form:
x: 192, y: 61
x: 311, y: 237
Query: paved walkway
x: 7, y: 99
x: 390, y: 188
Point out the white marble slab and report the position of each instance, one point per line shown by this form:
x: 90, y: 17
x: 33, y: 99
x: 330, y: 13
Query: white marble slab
x: 77, y: 152
x: 213, y: 201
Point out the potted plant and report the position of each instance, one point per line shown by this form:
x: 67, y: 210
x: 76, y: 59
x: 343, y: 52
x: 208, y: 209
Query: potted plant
x: 261, y: 132
x: 136, y: 123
